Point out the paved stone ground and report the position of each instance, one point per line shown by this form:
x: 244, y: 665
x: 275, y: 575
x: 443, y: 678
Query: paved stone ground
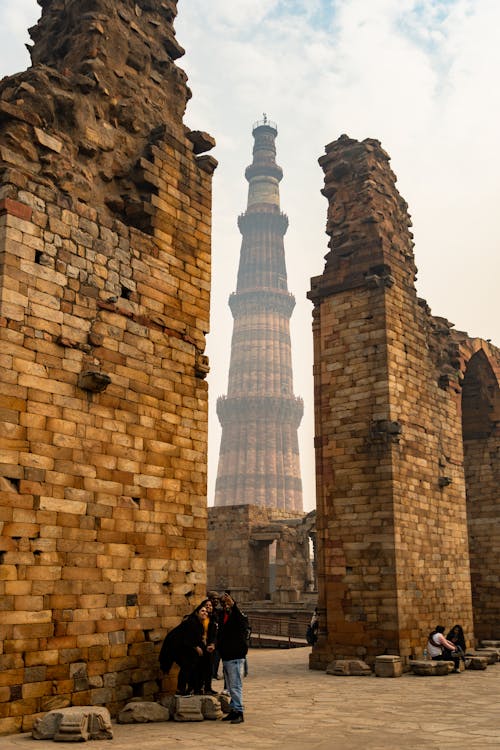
x: 291, y: 707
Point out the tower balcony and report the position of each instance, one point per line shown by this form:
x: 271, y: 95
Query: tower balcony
x: 264, y: 168
x: 263, y: 218
x: 280, y: 409
x: 261, y: 300
x: 265, y: 123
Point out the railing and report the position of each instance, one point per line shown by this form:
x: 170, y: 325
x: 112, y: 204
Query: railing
x: 265, y: 121
x: 278, y: 630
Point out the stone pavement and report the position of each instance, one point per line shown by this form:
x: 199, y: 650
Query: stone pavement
x: 289, y: 706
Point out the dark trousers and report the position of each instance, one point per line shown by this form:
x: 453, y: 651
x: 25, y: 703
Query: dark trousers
x: 454, y: 656
x: 189, y: 679
x: 206, y: 671
x: 215, y: 664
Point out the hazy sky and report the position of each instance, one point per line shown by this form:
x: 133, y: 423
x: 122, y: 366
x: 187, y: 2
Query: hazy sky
x: 419, y: 75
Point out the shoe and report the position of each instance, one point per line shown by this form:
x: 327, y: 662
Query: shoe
x: 211, y: 692
x: 229, y: 717
x: 237, y: 718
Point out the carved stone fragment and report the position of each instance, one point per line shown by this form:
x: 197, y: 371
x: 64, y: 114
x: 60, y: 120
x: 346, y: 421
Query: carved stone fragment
x: 74, y: 724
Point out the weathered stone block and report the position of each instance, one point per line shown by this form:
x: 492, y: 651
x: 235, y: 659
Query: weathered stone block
x: 74, y: 724
x: 211, y: 708
x: 349, y: 667
x: 430, y: 668
x: 388, y: 666
x: 187, y: 708
x: 476, y: 662
x: 142, y: 712
x: 491, y: 654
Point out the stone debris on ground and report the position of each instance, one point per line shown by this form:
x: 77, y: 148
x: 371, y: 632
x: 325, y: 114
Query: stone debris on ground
x: 140, y: 712
x: 75, y: 724
x: 349, y: 667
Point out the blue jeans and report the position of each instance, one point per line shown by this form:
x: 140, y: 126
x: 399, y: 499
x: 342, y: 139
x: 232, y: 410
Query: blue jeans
x: 232, y: 676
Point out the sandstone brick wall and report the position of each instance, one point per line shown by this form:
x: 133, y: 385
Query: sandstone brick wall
x: 393, y: 556
x: 104, y: 307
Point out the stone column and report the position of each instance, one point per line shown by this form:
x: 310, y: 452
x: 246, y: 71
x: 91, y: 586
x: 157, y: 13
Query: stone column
x: 393, y: 557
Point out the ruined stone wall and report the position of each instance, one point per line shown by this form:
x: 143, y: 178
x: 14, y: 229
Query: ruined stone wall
x: 239, y: 539
x: 393, y: 555
x: 104, y: 305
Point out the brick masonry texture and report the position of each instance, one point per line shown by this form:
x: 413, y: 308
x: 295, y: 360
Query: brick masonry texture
x: 105, y: 221
x: 407, y: 435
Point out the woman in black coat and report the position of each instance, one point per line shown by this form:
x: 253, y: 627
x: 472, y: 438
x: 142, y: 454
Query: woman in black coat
x: 456, y: 636
x: 185, y: 645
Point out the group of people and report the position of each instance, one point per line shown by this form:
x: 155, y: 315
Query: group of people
x: 452, y: 648
x: 217, y: 630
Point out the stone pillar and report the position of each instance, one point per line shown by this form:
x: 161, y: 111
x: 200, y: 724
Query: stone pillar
x: 393, y: 556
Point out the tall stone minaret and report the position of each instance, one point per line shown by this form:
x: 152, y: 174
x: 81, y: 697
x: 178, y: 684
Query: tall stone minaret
x: 259, y: 454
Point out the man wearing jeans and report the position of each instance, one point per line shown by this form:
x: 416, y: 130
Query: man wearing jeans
x: 232, y: 646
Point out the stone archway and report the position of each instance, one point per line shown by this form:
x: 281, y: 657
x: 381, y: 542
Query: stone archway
x: 481, y: 435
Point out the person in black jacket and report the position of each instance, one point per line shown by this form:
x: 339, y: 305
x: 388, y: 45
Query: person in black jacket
x: 456, y: 636
x: 185, y: 645
x: 232, y: 644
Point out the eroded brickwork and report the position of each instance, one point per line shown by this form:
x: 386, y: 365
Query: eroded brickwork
x: 393, y: 556
x: 104, y: 305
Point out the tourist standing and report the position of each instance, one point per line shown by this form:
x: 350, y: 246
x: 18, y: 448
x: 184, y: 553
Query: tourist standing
x: 232, y: 645
x: 185, y: 645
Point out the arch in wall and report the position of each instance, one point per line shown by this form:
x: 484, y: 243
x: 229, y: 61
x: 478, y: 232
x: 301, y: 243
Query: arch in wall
x: 481, y: 439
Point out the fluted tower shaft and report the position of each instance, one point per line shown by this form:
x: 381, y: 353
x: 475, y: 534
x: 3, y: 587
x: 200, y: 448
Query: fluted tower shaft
x: 259, y: 453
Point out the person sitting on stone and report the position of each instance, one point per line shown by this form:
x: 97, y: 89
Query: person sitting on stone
x: 456, y: 636
x: 436, y: 644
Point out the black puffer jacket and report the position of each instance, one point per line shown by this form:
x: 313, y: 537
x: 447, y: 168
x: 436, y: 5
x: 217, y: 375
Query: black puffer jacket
x: 180, y: 644
x: 232, y: 637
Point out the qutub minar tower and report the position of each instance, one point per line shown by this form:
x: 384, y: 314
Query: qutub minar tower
x: 259, y: 453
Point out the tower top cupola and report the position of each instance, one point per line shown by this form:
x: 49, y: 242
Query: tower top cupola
x: 263, y: 174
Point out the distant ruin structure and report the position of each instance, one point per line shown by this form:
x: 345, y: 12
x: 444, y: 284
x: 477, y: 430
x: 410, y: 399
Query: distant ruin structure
x: 407, y: 414
x: 105, y: 221
x: 259, y: 452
